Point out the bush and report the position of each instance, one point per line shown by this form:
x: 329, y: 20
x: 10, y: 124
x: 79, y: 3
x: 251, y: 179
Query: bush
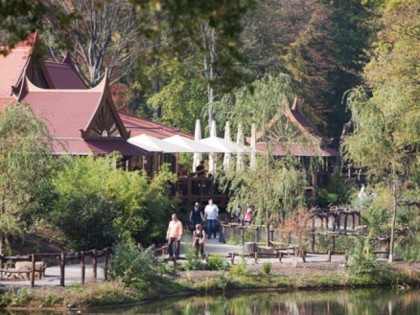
x: 136, y: 268
x: 217, y: 262
x: 267, y: 268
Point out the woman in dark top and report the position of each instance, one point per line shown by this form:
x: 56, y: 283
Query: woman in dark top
x: 196, y: 216
x: 198, y: 240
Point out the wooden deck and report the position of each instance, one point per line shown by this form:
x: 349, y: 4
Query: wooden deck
x: 199, y: 189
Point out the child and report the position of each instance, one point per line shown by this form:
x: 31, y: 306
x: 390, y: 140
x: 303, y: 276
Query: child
x: 198, y: 240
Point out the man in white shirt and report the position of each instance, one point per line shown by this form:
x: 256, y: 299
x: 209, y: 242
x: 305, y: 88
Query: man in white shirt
x: 211, y: 212
x: 173, y: 235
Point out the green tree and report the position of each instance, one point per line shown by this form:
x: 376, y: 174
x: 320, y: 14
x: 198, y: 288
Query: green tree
x: 99, y: 204
x: 275, y: 188
x: 386, y: 138
x: 25, y: 147
x: 183, y: 98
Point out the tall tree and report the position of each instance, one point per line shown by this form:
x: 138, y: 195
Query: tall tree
x: 25, y: 148
x: 386, y: 139
x: 275, y: 188
x: 103, y: 35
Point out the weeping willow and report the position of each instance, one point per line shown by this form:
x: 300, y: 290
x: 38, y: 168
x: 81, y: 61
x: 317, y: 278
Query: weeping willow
x: 25, y: 147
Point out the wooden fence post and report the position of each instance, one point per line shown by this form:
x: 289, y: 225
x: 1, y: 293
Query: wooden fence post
x: 62, y: 268
x: 257, y: 234
x: 82, y: 266
x: 329, y: 256
x: 106, y: 264
x: 271, y: 237
x: 95, y: 264
x: 303, y: 254
x: 33, y: 270
x: 333, y: 244
x: 242, y: 235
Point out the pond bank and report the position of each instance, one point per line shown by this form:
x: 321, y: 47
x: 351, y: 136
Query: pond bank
x: 280, y: 276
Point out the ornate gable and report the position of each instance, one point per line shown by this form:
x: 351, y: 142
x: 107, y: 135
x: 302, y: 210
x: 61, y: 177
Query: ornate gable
x: 105, y: 123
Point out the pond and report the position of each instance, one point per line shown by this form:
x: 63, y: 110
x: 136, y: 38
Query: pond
x: 348, y: 302
x: 356, y: 302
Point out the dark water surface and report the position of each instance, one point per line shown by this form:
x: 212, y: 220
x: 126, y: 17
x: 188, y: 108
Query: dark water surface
x: 357, y: 302
x: 349, y: 302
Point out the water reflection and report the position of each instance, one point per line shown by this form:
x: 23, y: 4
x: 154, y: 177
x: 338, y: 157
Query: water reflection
x: 356, y: 302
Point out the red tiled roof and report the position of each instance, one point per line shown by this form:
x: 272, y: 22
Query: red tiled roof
x: 65, y: 112
x: 305, y: 123
x: 79, y: 146
x: 12, y: 65
x: 63, y: 76
x: 139, y: 126
x: 299, y: 150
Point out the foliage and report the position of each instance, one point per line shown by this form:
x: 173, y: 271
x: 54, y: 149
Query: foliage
x: 266, y: 268
x: 217, y: 262
x: 135, y: 268
x: 98, y: 204
x: 337, y: 191
x: 182, y: 99
x: 274, y: 188
x: 25, y: 169
x: 103, y: 36
x: 361, y: 260
x: 257, y: 104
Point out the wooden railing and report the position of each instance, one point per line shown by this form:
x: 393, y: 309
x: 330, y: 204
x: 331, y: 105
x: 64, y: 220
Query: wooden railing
x: 199, y: 189
x: 62, y: 259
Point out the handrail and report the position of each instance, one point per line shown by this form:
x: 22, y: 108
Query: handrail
x: 62, y: 257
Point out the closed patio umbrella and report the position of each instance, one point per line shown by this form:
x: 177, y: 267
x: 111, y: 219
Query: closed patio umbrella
x: 253, y: 159
x: 226, y: 158
x: 197, y: 136
x: 239, y: 142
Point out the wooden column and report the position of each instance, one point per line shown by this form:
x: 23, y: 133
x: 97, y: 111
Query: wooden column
x: 82, y: 266
x: 345, y: 221
x: 62, y: 268
x: 106, y: 264
x: 33, y: 270
x: 95, y: 263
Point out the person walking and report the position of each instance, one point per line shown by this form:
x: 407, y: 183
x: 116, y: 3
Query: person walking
x: 211, y: 213
x: 196, y: 216
x: 173, y: 235
x: 199, y: 237
x: 248, y: 216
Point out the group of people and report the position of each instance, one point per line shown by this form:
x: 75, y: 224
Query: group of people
x: 210, y: 216
x: 200, y: 170
x: 246, y: 218
x: 175, y: 228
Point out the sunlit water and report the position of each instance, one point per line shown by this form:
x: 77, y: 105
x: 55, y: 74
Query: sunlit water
x: 349, y: 302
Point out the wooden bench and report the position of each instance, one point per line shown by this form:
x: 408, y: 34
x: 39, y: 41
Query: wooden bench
x: 23, y: 271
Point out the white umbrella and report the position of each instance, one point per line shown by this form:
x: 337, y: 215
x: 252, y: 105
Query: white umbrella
x: 197, y: 136
x: 226, y: 158
x: 188, y: 144
x: 153, y: 144
x: 223, y: 145
x: 212, y: 155
x: 253, y: 159
x: 239, y: 141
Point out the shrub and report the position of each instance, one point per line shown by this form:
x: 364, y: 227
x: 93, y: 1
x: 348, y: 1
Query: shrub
x: 136, y: 268
x: 267, y: 268
x: 217, y: 262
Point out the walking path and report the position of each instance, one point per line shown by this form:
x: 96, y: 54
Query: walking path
x: 213, y: 247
